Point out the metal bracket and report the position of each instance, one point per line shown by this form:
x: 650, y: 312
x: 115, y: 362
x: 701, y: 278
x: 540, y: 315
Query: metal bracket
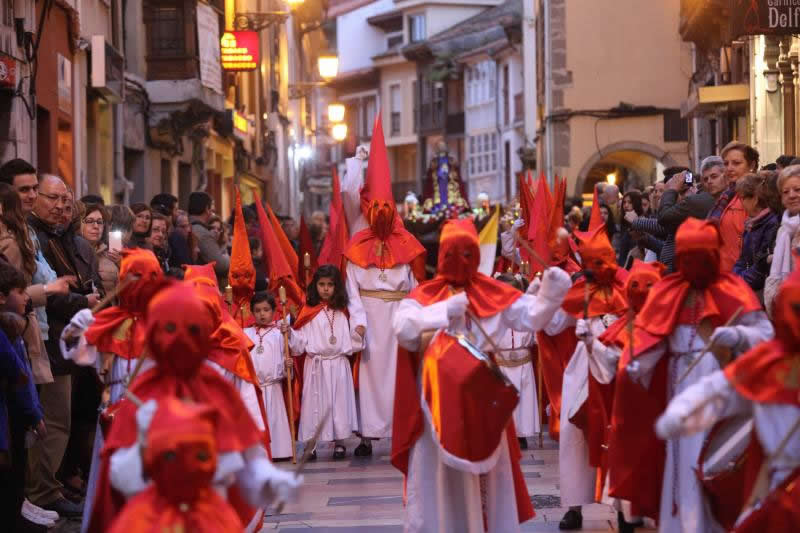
x: 259, y: 21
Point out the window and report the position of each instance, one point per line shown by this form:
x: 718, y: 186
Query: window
x: 369, y: 110
x: 416, y: 104
x: 396, y: 103
x: 394, y: 39
x: 480, y: 81
x: 166, y: 30
x: 482, y: 156
x: 416, y: 28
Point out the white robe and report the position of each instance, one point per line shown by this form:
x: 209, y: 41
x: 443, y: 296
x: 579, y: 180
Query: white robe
x: 378, y: 366
x: 270, y: 369
x: 526, y: 414
x: 444, y: 496
x: 352, y: 182
x: 577, y: 478
x: 680, y: 485
x: 327, y: 379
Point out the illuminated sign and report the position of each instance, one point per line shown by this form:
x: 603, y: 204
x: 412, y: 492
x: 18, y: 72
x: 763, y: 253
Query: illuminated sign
x: 240, y: 123
x: 239, y: 50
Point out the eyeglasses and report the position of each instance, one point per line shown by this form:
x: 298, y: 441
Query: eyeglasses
x: 55, y: 197
x: 94, y: 221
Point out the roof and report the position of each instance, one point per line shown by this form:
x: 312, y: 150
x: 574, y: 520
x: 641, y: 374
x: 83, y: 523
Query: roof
x: 486, y: 27
x: 390, y: 21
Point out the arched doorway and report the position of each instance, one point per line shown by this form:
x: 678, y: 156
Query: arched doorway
x: 634, y: 165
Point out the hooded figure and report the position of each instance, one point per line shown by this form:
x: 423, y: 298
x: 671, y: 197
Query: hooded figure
x: 385, y: 262
x: 761, y: 383
x: 446, y: 474
x: 683, y: 312
x: 178, y: 343
x: 180, y: 456
x: 592, y: 304
x: 242, y: 273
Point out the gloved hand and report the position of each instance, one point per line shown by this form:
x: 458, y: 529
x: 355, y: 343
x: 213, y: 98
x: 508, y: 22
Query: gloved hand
x: 631, y: 216
x: 555, y: 284
x: 71, y: 334
x: 80, y: 322
x: 283, y: 484
x: 668, y: 425
x: 533, y: 288
x: 516, y: 225
x: 457, y: 305
x: 727, y: 337
x: 582, y: 330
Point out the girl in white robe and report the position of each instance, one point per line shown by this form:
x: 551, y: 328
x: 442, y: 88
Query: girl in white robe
x: 322, y: 331
x: 270, y: 365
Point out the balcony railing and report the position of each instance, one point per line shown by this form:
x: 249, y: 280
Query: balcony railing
x: 395, y: 123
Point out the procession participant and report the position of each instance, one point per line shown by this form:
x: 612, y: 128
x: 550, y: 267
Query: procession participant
x: 592, y: 304
x: 604, y: 360
x: 446, y: 492
x: 178, y: 343
x: 352, y: 183
x: 683, y: 312
x: 516, y: 363
x: 112, y: 341
x: 323, y: 332
x: 270, y: 365
x: 384, y: 263
x: 181, y: 457
x: 761, y: 383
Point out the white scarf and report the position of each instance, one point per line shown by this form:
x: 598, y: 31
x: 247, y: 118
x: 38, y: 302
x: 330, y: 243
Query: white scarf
x: 782, y: 258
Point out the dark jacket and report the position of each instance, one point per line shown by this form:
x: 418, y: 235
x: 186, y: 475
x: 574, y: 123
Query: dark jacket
x: 179, y: 253
x: 672, y: 213
x: 68, y: 255
x: 758, y: 243
x: 19, y: 403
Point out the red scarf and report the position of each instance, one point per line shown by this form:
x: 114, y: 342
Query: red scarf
x: 400, y: 247
x: 603, y: 299
x: 486, y: 295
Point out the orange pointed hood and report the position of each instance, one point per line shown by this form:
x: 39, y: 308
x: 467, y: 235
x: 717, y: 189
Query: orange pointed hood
x: 286, y: 245
x: 378, y: 183
x: 540, y: 222
x: 194, y: 272
x: 596, y: 218
x: 242, y: 273
x: 335, y: 244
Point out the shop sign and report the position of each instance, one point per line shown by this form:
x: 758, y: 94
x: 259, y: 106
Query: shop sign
x: 8, y: 72
x: 241, y: 126
x: 240, y: 51
x: 764, y: 17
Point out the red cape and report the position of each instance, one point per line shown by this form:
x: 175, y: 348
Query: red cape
x: 767, y: 374
x: 486, y: 295
x: 399, y: 248
x: 604, y: 299
x: 554, y: 353
x: 119, y: 331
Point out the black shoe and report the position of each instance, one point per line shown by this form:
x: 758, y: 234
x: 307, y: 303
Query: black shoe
x: 363, y: 450
x: 523, y: 443
x: 65, y: 508
x: 72, y: 494
x: 572, y: 520
x: 339, y: 452
x: 627, y: 527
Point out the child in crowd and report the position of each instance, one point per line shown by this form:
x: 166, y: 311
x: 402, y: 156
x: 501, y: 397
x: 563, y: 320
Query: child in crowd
x: 268, y: 359
x: 322, y: 331
x: 20, y: 411
x: 515, y: 362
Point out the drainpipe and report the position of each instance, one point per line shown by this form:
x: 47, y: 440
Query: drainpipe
x: 548, y: 87
x: 498, y: 72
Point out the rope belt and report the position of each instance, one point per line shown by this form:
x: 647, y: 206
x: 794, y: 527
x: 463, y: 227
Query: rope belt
x: 386, y: 296
x: 511, y: 363
x: 325, y: 357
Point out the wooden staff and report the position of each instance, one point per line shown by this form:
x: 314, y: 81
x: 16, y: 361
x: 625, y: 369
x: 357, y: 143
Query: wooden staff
x: 710, y: 345
x: 539, y: 397
x: 307, y: 265
x: 289, y: 372
x: 532, y: 253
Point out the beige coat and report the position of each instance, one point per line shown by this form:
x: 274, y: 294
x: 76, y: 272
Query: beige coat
x: 107, y: 269
x: 40, y: 363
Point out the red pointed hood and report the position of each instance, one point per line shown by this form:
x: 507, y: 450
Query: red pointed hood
x: 286, y: 246
x: 378, y: 183
x: 335, y: 244
x: 596, y: 218
x: 242, y: 273
x: 540, y: 220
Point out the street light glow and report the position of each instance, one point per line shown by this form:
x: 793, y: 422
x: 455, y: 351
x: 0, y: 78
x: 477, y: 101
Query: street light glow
x: 294, y: 3
x: 335, y: 113
x: 339, y: 131
x: 328, y: 65
x: 611, y: 179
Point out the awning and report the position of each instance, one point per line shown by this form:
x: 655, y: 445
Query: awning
x: 706, y: 100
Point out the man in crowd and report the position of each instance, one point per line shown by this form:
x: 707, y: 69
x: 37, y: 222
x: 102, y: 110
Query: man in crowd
x: 166, y: 204
x: 178, y: 240
x: 67, y: 254
x: 201, y: 209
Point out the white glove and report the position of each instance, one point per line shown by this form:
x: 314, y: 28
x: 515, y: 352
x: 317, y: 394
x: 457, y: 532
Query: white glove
x: 80, y: 322
x: 728, y: 337
x: 283, y: 485
x: 72, y: 333
x: 516, y: 225
x: 533, y: 288
x: 555, y: 284
x: 668, y: 426
x: 457, y: 305
x: 582, y: 330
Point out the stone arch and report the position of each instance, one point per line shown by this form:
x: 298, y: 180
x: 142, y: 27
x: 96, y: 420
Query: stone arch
x: 607, y: 154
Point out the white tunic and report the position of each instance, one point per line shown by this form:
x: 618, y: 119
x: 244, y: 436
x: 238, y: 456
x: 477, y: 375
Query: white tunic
x: 515, y: 346
x: 680, y: 487
x: 327, y: 379
x: 378, y: 366
x: 577, y: 478
x: 352, y: 182
x: 270, y: 367
x: 443, y: 496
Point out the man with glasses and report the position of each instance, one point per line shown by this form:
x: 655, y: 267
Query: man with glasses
x: 67, y: 254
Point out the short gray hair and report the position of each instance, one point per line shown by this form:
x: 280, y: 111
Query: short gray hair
x: 792, y: 171
x: 711, y: 162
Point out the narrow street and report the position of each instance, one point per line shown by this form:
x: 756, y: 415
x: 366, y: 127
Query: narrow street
x: 365, y: 495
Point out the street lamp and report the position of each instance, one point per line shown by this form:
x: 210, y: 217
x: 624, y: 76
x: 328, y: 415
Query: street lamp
x: 339, y: 132
x: 328, y: 65
x: 294, y: 3
x: 611, y: 178
x: 335, y: 113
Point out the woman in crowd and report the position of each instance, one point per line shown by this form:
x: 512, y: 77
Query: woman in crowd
x: 608, y: 220
x: 93, y: 229
x: 157, y: 240
x: 141, y: 225
x: 788, y: 238
x: 218, y: 230
x: 631, y: 201
x: 740, y: 159
x: 760, y: 229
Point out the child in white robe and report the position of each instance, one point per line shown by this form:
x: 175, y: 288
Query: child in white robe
x: 269, y: 361
x: 322, y: 331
